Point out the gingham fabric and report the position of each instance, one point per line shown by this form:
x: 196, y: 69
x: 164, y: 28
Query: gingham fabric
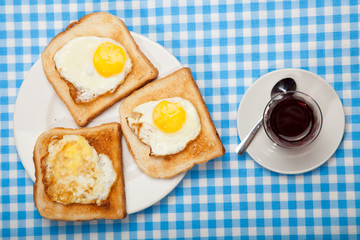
x: 228, y: 46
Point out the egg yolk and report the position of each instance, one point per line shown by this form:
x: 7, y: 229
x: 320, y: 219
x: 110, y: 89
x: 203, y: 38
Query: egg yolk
x: 109, y: 59
x: 168, y: 116
x: 72, y: 158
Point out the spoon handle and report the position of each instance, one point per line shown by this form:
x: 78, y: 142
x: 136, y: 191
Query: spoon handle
x: 241, y: 148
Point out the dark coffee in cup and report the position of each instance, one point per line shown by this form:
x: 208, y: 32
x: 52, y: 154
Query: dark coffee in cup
x: 292, y: 119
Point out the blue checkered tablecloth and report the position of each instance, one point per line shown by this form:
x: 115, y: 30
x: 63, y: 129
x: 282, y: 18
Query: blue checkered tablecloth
x: 228, y: 46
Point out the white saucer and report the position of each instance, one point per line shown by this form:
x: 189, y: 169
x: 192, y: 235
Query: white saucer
x: 290, y: 161
x: 38, y: 109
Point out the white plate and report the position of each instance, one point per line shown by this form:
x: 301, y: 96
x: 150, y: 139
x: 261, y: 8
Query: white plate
x: 290, y: 161
x: 38, y: 109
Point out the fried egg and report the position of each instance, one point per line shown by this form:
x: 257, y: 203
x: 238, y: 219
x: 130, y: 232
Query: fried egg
x: 76, y: 173
x: 94, y: 65
x: 166, y: 126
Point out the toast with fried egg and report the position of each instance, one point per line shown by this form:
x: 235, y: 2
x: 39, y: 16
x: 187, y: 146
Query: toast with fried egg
x: 85, y: 102
x: 172, y: 94
x: 79, y: 173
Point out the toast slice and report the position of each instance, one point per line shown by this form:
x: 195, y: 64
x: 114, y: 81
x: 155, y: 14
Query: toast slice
x: 204, y: 148
x: 105, y: 139
x: 98, y: 24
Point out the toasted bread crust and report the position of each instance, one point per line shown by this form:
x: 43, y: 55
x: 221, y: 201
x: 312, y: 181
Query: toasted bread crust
x: 98, y: 24
x: 204, y: 148
x: 105, y: 139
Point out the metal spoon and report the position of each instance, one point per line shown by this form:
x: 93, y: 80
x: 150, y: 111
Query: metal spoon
x: 281, y: 86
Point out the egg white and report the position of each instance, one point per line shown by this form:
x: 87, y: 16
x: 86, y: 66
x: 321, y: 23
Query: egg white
x: 74, y: 62
x: 92, y: 187
x: 162, y: 143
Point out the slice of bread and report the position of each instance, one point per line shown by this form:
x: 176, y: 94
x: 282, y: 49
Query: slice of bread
x: 105, y: 139
x: 204, y: 148
x: 98, y: 24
